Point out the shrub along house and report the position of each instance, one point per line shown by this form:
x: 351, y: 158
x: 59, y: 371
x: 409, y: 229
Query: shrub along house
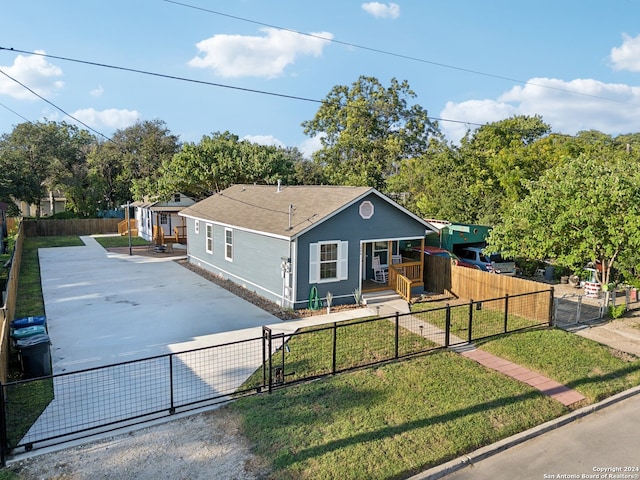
x: 291, y: 243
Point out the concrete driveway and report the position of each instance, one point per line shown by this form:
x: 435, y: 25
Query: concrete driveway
x: 104, y: 308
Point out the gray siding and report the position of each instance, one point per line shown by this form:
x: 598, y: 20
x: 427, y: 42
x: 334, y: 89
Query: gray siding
x: 387, y: 223
x: 256, y: 263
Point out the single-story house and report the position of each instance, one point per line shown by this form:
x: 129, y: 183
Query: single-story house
x: 156, y: 220
x: 291, y: 244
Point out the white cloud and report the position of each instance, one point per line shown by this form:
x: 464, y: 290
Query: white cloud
x: 264, y: 56
x: 627, y: 56
x: 311, y: 145
x: 380, y: 10
x: 34, y: 72
x: 97, y: 92
x: 569, y: 107
x: 473, y: 112
x: 264, y: 140
x: 111, y: 118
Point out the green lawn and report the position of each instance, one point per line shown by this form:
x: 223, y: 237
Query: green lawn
x: 361, y: 342
x: 581, y: 364
x: 398, y: 419
x: 486, y: 321
x: 113, y: 241
x: 25, y: 402
x: 29, y: 301
x: 390, y: 421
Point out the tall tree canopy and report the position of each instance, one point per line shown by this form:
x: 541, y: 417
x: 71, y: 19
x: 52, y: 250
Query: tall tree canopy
x: 144, y: 147
x: 221, y: 160
x: 367, y: 129
x: 128, y: 166
x: 586, y: 208
x: 40, y: 157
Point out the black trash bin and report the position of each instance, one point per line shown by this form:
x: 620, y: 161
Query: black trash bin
x: 35, y: 355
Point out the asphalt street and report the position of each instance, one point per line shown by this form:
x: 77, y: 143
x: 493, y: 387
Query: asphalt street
x: 602, y: 445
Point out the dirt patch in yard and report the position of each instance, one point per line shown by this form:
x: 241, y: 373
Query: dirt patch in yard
x: 199, y: 447
x: 622, y: 334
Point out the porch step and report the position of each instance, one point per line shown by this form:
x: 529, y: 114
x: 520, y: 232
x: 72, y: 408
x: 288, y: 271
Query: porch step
x: 386, y: 302
x: 380, y: 297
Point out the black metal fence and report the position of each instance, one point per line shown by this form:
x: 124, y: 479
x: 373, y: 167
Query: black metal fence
x: 83, y: 403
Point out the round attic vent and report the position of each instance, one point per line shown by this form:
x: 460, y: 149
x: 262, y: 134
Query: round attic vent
x: 366, y: 209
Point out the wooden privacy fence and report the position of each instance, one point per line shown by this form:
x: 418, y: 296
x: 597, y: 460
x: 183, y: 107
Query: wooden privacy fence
x: 75, y: 226
x: 8, y: 309
x: 442, y: 276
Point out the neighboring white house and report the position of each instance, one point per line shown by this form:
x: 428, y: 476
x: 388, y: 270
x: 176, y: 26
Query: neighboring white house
x: 162, y: 215
x: 53, y: 202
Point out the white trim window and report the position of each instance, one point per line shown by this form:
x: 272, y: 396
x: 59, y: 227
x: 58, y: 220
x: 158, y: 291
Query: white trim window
x: 228, y: 244
x: 196, y: 227
x: 209, y: 238
x: 328, y: 261
x: 381, y: 249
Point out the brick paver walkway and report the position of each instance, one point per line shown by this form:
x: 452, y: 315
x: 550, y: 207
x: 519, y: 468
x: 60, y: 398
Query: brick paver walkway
x: 549, y: 387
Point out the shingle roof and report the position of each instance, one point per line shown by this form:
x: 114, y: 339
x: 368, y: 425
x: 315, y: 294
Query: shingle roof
x: 264, y: 208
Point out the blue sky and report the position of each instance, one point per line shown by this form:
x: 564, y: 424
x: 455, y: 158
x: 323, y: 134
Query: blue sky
x: 575, y: 63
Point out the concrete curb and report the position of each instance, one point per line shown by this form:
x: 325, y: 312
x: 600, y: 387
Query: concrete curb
x: 459, y: 463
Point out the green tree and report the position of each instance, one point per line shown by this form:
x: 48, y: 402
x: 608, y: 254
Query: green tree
x: 584, y: 209
x: 110, y: 186
x: 220, y: 160
x: 498, y: 158
x: 43, y: 156
x: 435, y: 184
x: 144, y: 147
x: 366, y: 130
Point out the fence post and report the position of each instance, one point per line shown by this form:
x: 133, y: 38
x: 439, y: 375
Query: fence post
x: 506, y: 311
x: 579, y: 310
x: 266, y: 342
x: 551, y: 297
x: 397, y: 333
x: 172, y: 408
x: 447, y: 325
x: 334, y: 348
x: 470, y: 327
x: 264, y: 360
x: 3, y: 429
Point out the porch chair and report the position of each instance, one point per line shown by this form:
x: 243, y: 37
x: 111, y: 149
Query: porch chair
x: 397, y: 259
x: 380, y: 273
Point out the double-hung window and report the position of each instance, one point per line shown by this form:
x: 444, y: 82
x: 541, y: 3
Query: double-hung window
x: 228, y: 244
x: 209, y: 238
x: 328, y: 261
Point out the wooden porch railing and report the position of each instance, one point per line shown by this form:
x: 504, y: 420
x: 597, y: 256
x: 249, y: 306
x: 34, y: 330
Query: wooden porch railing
x: 404, y: 276
x: 179, y: 235
x: 124, y: 227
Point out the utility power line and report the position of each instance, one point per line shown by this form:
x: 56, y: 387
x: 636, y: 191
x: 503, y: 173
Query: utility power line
x: 52, y: 104
x: 398, y: 55
x: 191, y: 80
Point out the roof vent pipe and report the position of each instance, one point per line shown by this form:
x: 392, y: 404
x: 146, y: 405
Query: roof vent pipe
x: 279, y: 185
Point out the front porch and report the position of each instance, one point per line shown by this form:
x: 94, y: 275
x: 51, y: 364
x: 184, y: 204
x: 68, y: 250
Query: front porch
x: 402, y: 273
